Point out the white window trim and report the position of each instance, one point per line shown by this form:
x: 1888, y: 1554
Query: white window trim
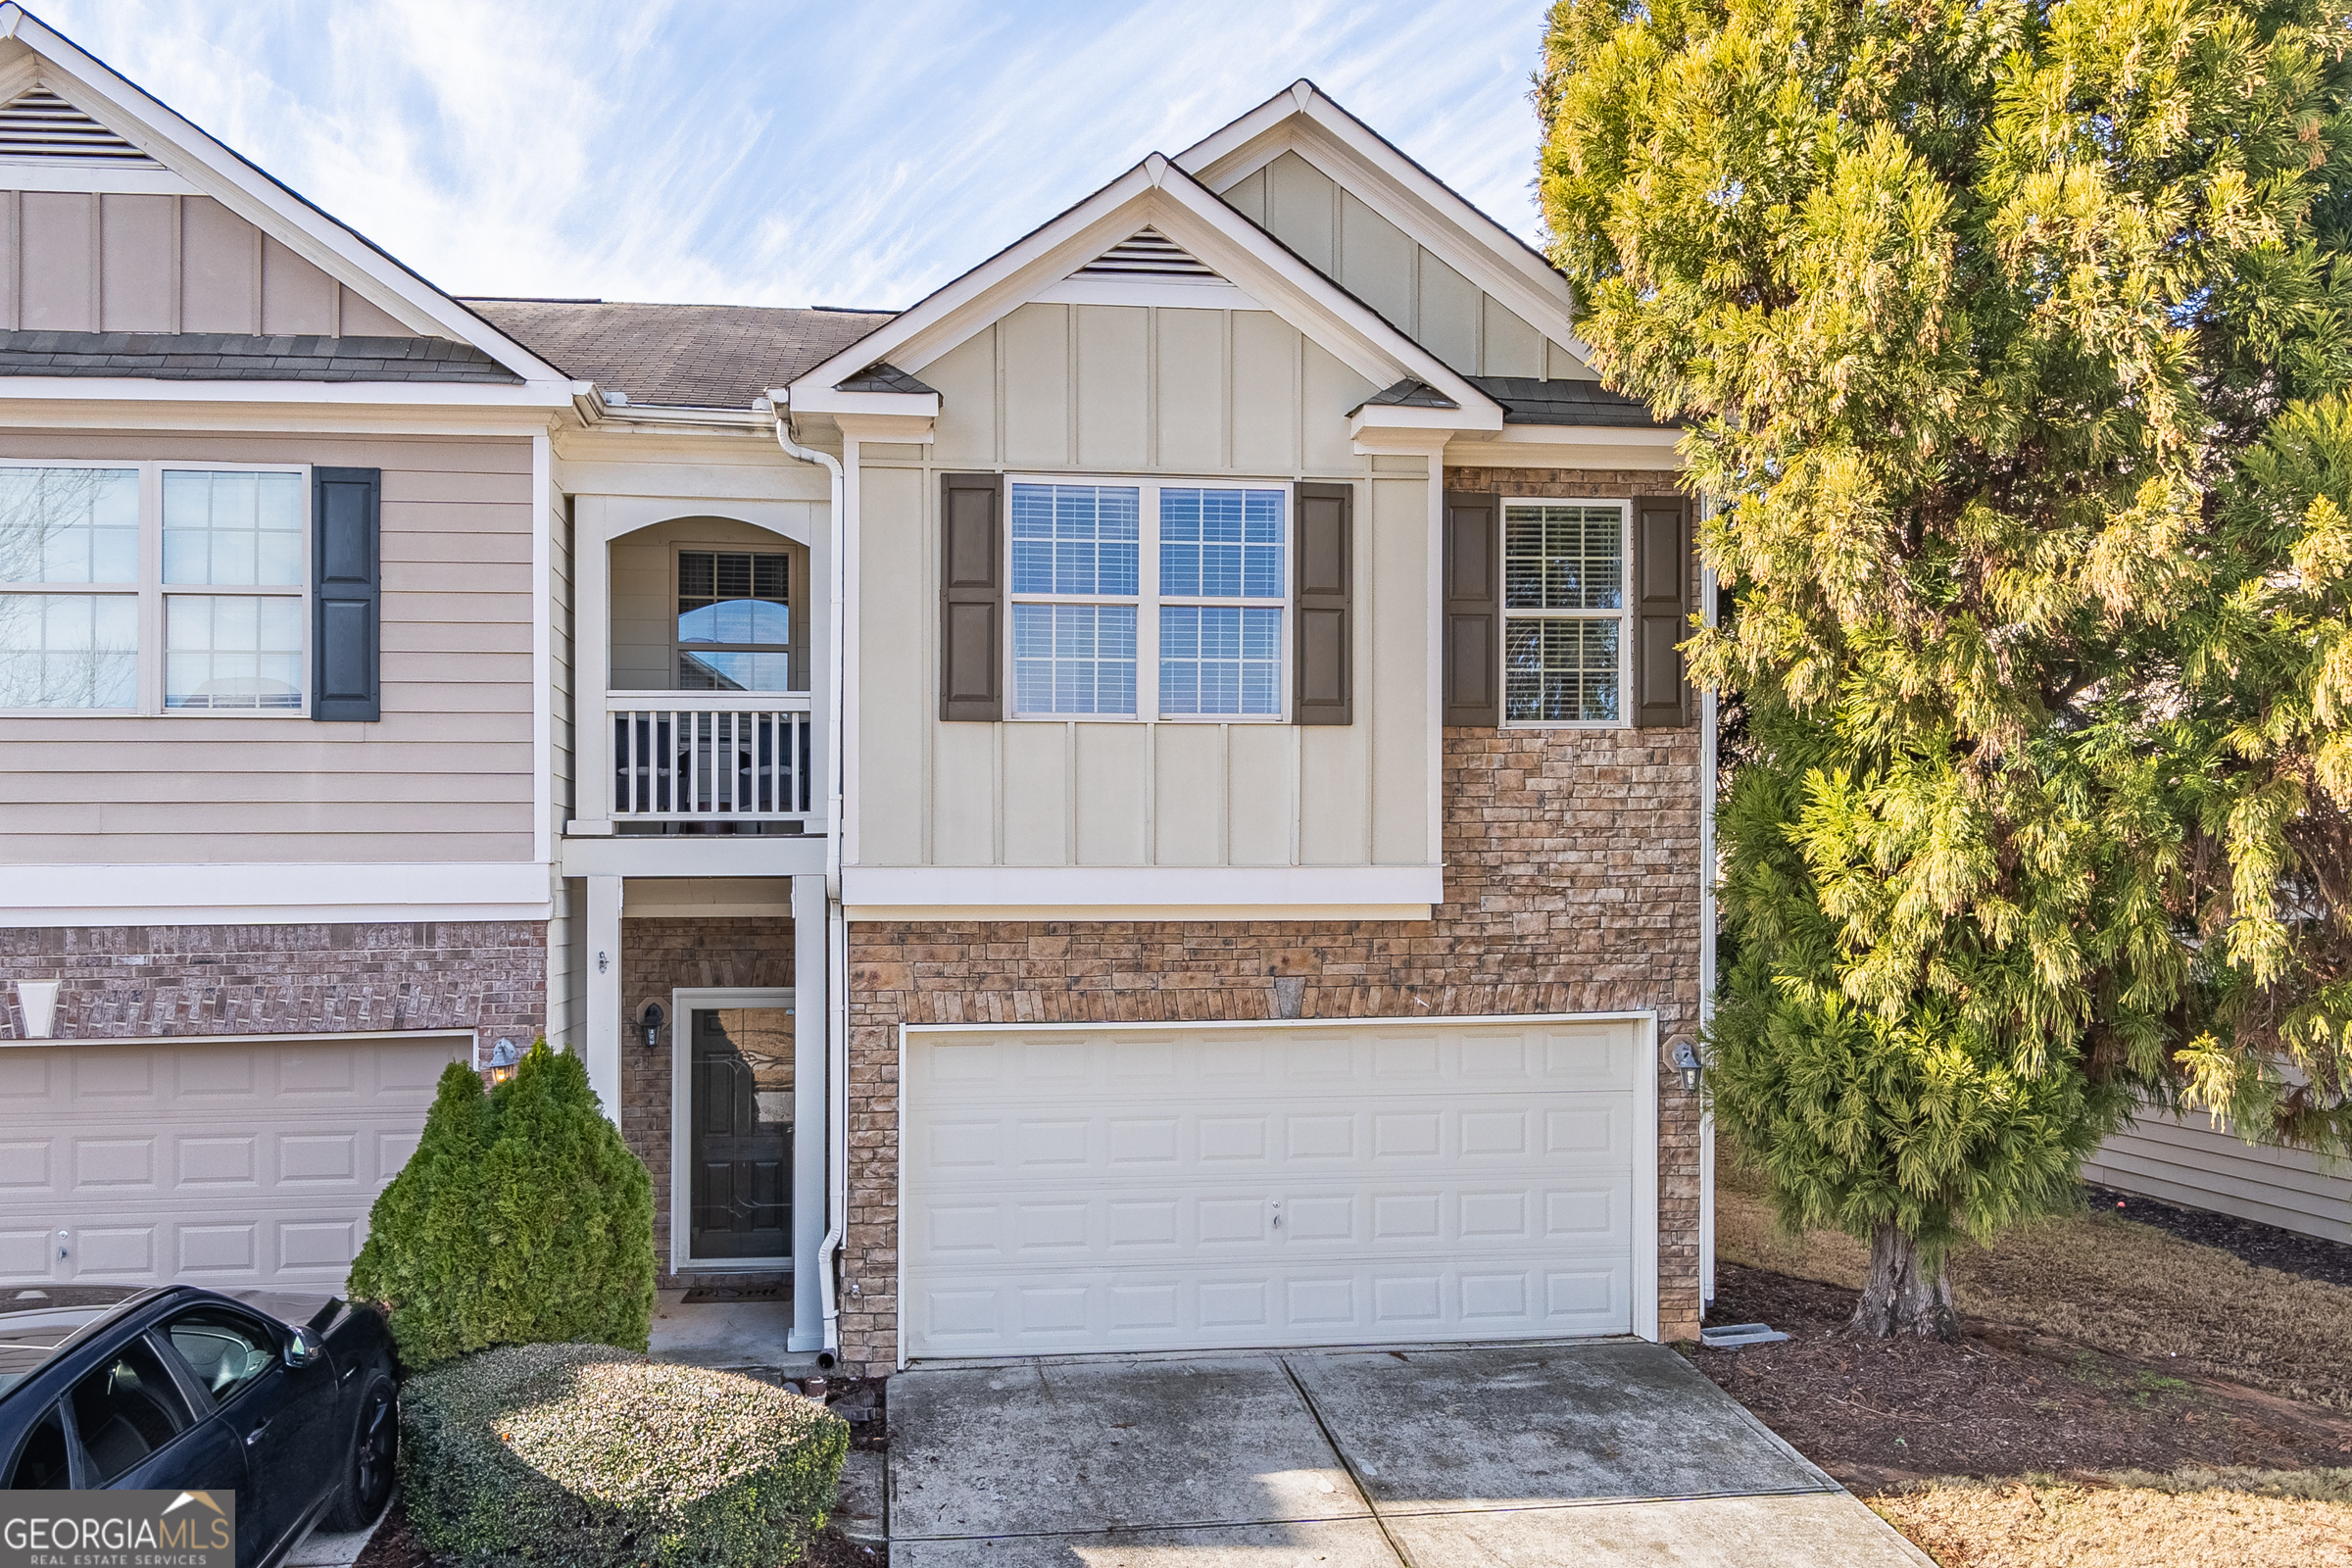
x: 796, y: 566
x: 1624, y: 614
x: 151, y: 591
x: 1148, y: 600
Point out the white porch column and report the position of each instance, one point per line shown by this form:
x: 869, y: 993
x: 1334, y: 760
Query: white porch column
x: 809, y: 1101
x: 591, y: 671
x: 599, y: 1047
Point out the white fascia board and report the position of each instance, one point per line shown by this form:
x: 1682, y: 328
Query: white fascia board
x: 549, y: 395
x: 1154, y: 193
x: 1300, y: 119
x: 1076, y: 888
x: 1409, y: 417
x: 914, y: 914
x: 832, y: 399
x: 221, y: 174
x: 265, y: 894
x: 766, y: 855
x: 1557, y: 446
x: 93, y: 176
x: 250, y: 1037
x: 272, y: 418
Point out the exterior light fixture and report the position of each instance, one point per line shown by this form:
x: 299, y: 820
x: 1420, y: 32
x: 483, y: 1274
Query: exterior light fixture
x: 38, y: 999
x: 1682, y: 1053
x: 650, y: 1021
x: 503, y: 1058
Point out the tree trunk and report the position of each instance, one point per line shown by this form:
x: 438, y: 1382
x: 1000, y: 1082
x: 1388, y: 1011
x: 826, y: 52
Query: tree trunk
x: 1901, y: 1297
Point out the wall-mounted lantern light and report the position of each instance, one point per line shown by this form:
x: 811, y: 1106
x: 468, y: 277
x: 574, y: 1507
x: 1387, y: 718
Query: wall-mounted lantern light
x: 650, y: 1021
x: 1683, y: 1052
x: 503, y: 1058
x: 38, y: 999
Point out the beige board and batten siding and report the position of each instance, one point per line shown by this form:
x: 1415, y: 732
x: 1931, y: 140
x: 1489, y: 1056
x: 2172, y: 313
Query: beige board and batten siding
x: 1405, y: 281
x: 1115, y: 390
x: 84, y: 262
x: 2199, y: 1164
x: 444, y: 776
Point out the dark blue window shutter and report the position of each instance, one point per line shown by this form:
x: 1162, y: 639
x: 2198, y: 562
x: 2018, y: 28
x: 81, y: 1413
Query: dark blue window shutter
x: 346, y: 595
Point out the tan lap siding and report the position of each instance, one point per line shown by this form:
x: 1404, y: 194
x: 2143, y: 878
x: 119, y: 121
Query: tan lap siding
x: 446, y: 775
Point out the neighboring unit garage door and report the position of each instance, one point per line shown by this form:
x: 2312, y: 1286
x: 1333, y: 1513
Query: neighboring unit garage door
x: 252, y: 1164
x: 1069, y: 1189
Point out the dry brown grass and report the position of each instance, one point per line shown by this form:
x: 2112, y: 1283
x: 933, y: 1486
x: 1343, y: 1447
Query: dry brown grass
x: 2199, y: 1519
x: 2129, y: 1289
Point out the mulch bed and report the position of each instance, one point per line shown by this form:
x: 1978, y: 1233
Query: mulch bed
x: 2264, y: 1245
x: 2005, y: 1401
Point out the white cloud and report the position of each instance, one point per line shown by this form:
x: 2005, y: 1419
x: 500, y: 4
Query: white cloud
x: 783, y: 154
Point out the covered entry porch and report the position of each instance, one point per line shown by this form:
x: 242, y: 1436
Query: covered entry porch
x: 704, y: 1033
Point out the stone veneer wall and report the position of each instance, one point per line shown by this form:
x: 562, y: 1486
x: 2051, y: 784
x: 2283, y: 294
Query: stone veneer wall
x: 657, y: 955
x: 123, y: 981
x: 1572, y: 882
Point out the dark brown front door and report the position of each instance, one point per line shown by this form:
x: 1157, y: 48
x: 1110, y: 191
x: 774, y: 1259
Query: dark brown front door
x: 742, y: 1130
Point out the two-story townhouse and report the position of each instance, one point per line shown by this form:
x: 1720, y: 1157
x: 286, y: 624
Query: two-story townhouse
x: 1146, y: 800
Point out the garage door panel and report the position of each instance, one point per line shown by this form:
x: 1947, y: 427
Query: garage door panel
x: 225, y: 1163
x: 1294, y: 1185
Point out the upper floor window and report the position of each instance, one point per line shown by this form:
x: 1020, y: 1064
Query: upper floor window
x: 153, y: 587
x: 1564, y: 612
x: 734, y: 620
x: 1149, y: 600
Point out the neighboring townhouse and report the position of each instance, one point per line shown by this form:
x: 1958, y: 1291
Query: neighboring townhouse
x: 1145, y: 802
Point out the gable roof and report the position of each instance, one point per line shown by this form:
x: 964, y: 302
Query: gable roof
x: 1158, y: 195
x: 94, y: 91
x: 1528, y: 401
x: 689, y: 356
x: 1303, y: 119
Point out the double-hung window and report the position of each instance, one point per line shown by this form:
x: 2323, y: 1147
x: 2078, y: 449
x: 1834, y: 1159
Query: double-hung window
x: 1564, y: 636
x: 152, y: 588
x: 1149, y: 599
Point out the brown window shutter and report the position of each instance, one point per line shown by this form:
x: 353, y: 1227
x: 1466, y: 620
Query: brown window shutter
x: 1473, y: 562
x: 972, y: 597
x: 1661, y: 611
x: 1322, y: 605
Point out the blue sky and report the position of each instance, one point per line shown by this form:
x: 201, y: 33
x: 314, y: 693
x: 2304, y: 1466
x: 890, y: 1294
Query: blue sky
x: 784, y: 153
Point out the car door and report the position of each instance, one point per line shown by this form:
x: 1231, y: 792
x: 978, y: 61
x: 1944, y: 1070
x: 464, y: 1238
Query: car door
x: 132, y: 1427
x: 282, y: 1416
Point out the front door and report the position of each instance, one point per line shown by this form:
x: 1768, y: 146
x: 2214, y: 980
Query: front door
x: 739, y: 1062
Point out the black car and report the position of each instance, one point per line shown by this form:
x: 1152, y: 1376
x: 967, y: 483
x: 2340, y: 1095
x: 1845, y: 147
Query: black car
x: 286, y: 1400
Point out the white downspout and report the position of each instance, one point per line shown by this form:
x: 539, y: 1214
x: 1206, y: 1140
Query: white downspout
x: 837, y: 943
x: 1706, y: 938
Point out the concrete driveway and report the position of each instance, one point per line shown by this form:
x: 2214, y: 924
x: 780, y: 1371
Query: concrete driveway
x: 1504, y: 1456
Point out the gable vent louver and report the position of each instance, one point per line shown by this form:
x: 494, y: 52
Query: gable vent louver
x: 39, y: 127
x: 1149, y: 254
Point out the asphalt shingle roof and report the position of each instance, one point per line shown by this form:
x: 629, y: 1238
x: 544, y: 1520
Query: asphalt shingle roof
x: 689, y: 356
x: 246, y: 356
x: 1410, y: 394
x: 1528, y: 401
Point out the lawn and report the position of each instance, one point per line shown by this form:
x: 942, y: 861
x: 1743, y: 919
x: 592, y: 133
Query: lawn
x: 2124, y: 1396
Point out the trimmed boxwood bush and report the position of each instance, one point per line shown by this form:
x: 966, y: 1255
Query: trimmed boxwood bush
x: 521, y: 1219
x: 581, y: 1454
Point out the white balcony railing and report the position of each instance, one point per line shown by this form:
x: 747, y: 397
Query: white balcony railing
x: 708, y: 756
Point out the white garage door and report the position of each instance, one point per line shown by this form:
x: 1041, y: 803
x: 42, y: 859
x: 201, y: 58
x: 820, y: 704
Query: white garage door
x: 1069, y: 1190
x: 252, y: 1164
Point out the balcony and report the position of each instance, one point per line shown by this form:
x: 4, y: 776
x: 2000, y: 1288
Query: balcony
x: 723, y: 760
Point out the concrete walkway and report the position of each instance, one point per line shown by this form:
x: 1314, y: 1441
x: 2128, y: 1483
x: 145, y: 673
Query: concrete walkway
x: 1506, y: 1457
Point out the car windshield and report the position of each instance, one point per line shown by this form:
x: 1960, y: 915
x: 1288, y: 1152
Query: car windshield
x: 28, y: 1340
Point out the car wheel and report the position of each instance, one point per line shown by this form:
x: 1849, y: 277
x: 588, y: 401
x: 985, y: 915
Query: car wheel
x: 375, y: 1446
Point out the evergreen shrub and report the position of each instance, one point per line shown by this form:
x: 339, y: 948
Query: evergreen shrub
x: 580, y: 1454
x: 521, y: 1219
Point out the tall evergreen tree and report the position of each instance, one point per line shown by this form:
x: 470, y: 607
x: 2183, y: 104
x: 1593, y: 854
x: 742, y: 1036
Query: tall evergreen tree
x: 2011, y: 338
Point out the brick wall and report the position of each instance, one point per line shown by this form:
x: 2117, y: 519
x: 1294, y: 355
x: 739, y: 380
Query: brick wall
x: 1572, y: 884
x: 657, y: 955
x: 485, y: 975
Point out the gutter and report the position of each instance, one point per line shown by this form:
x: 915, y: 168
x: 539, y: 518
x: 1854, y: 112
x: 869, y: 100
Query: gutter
x: 837, y: 933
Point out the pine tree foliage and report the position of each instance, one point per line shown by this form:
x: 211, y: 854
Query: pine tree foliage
x: 521, y: 1219
x: 2014, y: 337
